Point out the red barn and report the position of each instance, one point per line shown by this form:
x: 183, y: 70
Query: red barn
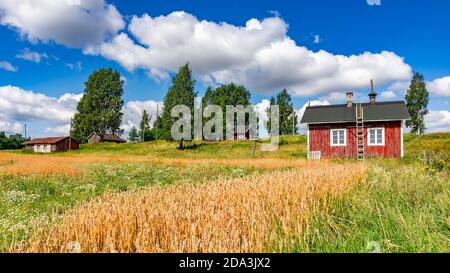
x: 373, y: 129
x: 52, y: 144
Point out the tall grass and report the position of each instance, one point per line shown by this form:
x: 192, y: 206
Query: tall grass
x: 401, y: 209
x: 229, y: 215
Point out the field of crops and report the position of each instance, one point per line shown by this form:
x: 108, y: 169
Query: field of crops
x: 225, y: 197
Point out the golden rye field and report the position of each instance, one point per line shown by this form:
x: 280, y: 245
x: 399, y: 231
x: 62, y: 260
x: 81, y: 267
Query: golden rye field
x: 250, y: 214
x: 150, y: 197
x: 18, y: 164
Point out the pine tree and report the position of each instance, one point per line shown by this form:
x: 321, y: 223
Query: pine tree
x: 180, y: 93
x: 99, y: 110
x: 417, y: 102
x: 288, y: 116
x: 144, y: 126
x: 133, y: 136
x: 269, y: 120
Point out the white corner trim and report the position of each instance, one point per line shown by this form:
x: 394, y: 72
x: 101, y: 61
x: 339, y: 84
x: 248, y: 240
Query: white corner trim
x: 331, y: 137
x: 401, y: 138
x: 307, y: 137
x: 383, y: 138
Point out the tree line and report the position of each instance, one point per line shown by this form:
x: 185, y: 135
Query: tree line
x: 11, y: 142
x: 100, y: 108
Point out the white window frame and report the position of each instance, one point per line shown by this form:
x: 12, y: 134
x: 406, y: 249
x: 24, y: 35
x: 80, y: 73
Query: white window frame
x: 382, y: 136
x: 331, y: 137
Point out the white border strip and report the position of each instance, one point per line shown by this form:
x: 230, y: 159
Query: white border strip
x: 307, y: 136
x: 401, y: 138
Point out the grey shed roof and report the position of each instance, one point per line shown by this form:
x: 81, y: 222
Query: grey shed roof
x: 391, y: 110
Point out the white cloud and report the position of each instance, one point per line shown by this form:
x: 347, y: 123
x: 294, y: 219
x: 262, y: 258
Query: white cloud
x: 374, y: 2
x: 18, y: 106
x: 386, y: 95
x: 334, y: 97
x: 8, y: 126
x: 316, y: 39
x: 73, y: 23
x: 440, y: 87
x: 275, y: 13
x: 341, y: 97
x: 261, y: 109
x: 32, y: 56
x: 7, y: 66
x: 261, y: 112
x: 75, y: 66
x: 132, y: 113
x: 301, y: 111
x: 437, y: 121
x: 259, y: 55
x: 62, y: 130
x: 400, y: 87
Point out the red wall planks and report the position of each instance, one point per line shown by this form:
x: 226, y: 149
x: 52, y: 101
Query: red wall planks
x: 319, y: 140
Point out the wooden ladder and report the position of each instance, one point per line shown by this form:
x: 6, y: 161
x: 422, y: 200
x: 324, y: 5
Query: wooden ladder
x: 359, y: 131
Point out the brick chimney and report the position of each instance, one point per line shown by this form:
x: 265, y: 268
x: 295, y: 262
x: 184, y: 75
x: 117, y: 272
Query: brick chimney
x: 349, y: 99
x: 372, y: 94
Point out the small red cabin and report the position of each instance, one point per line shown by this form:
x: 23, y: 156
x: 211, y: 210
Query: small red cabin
x: 373, y: 129
x: 52, y: 144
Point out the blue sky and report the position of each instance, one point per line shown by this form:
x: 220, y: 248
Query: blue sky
x: 318, y: 50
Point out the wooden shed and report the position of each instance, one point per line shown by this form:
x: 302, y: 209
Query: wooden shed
x: 52, y: 144
x: 373, y: 129
x: 96, y: 138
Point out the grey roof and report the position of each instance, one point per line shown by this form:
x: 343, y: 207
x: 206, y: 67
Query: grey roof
x: 391, y: 110
x: 109, y: 137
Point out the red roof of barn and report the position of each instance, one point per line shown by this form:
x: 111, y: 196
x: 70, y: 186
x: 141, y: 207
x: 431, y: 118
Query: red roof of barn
x: 47, y: 140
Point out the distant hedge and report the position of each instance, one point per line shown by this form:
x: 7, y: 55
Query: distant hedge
x: 12, y: 142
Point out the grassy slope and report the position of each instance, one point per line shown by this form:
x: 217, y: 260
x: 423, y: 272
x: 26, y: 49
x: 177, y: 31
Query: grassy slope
x: 292, y: 146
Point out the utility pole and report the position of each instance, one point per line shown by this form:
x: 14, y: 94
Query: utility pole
x: 156, y: 120
x: 70, y: 135
x: 25, y: 132
x: 293, y: 117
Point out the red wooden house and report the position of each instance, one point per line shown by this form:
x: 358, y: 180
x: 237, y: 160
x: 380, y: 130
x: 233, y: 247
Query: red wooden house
x: 373, y: 129
x: 52, y: 144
